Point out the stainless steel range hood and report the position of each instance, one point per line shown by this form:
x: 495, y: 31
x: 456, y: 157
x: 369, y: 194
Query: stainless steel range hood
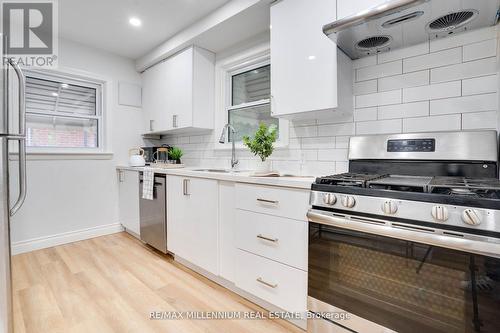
x: 401, y: 23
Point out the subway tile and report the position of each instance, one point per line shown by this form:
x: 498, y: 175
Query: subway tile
x: 463, y: 39
x: 365, y: 87
x: 404, y: 81
x: 332, y: 154
x: 337, y: 117
x: 373, y: 72
x: 465, y: 70
x: 318, y: 168
x: 417, y: 109
x: 309, y: 155
x: 318, y: 143
x: 480, y: 85
x: 365, y: 114
x: 302, y: 122
x: 434, y: 123
x: 294, y: 143
x: 336, y: 129
x: 382, y: 98
x: 341, y: 167
x: 433, y: 91
x: 406, y: 52
x: 286, y: 167
x: 364, y: 62
x: 183, y: 139
x: 378, y: 127
x: 474, y: 103
x: 303, y: 131
x: 480, y: 120
x: 484, y: 49
x: 341, y: 141
x: 433, y: 60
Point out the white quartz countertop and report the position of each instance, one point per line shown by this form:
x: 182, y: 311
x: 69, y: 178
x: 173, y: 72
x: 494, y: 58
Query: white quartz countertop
x: 239, y: 177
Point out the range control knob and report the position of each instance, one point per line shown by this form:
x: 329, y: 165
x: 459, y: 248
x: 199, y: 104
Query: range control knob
x: 440, y: 213
x: 329, y: 199
x: 471, y: 217
x: 348, y: 201
x: 390, y: 207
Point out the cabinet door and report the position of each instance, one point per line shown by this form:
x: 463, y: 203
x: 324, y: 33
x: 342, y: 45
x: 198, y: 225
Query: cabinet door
x: 227, y: 225
x: 129, y: 200
x: 155, y: 99
x: 304, y: 60
x: 178, y: 227
x: 349, y: 7
x: 179, y: 90
x: 203, y: 212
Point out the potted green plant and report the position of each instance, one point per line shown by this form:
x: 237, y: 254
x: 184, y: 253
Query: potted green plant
x: 175, y: 154
x: 262, y: 145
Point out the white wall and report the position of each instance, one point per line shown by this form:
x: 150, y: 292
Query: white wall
x: 68, y: 196
x: 449, y: 84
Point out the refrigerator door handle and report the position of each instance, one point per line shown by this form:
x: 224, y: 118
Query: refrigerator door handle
x: 22, y: 176
x: 22, y: 97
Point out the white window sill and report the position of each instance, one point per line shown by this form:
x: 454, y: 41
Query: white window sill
x: 42, y: 156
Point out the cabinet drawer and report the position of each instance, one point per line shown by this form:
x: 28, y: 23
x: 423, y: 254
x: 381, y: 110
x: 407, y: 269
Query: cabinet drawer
x: 284, y: 202
x: 278, y: 284
x: 273, y: 237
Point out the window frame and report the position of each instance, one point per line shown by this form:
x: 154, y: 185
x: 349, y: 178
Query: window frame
x: 79, y: 80
x: 250, y: 59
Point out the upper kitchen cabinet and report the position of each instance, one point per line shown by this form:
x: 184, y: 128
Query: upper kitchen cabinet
x: 309, y: 76
x: 178, y: 93
x: 347, y: 8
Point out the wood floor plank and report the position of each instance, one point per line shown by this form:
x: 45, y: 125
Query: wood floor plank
x: 111, y: 284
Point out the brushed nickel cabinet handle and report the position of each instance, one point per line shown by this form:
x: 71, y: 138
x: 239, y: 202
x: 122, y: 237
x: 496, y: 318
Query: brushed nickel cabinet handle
x: 151, y: 125
x: 185, y: 188
x: 269, y: 239
x: 274, y: 202
x: 270, y: 285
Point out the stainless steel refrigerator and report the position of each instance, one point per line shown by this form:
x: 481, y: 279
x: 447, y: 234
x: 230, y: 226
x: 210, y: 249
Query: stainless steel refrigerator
x: 13, y: 137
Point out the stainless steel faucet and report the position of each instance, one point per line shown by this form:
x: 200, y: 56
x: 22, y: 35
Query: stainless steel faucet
x: 229, y: 127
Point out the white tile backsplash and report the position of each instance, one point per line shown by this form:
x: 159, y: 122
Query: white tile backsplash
x: 446, y: 84
x: 433, y: 60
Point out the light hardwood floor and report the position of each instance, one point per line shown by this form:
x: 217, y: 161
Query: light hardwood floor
x: 111, y: 284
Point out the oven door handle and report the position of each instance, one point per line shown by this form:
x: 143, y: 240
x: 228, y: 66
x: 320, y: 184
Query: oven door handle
x: 460, y: 244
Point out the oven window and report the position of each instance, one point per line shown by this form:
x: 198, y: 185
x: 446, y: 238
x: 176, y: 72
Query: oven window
x: 401, y: 285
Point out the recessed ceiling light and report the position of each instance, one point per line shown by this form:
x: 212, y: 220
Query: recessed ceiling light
x: 311, y: 57
x: 135, y: 21
x: 55, y: 94
x: 64, y: 85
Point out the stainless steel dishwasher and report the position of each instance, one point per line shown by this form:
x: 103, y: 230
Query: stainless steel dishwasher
x: 153, y: 214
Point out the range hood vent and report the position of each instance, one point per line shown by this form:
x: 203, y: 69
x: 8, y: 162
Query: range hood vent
x: 452, y: 21
x: 375, y: 42
x: 398, y: 24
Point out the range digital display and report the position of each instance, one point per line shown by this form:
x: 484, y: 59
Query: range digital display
x: 415, y: 145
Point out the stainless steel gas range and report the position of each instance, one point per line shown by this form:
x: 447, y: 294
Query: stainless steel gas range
x: 409, y: 239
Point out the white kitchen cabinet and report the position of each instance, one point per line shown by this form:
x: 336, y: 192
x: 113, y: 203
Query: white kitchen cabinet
x: 349, y: 7
x: 178, y: 93
x: 227, y: 225
x: 192, y: 213
x: 129, y: 200
x: 309, y: 77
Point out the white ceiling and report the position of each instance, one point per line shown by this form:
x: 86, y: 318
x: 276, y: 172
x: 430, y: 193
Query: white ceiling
x: 104, y: 23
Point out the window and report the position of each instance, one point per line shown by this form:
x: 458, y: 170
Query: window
x: 62, y: 112
x: 250, y: 101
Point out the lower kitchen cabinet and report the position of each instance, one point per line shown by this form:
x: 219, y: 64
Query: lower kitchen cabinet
x: 128, y: 181
x: 274, y: 282
x: 227, y: 225
x: 192, y: 220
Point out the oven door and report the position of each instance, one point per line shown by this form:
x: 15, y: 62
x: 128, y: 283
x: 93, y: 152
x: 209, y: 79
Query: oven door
x: 402, y: 280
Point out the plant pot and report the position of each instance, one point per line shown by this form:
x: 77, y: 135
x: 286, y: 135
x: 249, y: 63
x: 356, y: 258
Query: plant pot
x: 263, y: 167
x: 178, y: 161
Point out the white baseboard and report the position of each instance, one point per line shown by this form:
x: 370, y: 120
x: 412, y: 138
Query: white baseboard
x: 64, y: 238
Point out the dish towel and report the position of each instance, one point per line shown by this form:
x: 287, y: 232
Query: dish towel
x: 148, y: 178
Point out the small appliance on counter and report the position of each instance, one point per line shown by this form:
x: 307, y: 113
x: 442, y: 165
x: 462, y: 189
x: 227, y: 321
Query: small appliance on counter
x: 149, y: 153
x: 136, y: 157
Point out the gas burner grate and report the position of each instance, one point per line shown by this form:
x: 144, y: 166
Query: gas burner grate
x: 348, y: 179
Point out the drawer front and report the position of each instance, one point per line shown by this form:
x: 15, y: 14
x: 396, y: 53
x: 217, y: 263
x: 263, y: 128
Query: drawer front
x: 273, y: 237
x: 278, y: 284
x: 279, y: 201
